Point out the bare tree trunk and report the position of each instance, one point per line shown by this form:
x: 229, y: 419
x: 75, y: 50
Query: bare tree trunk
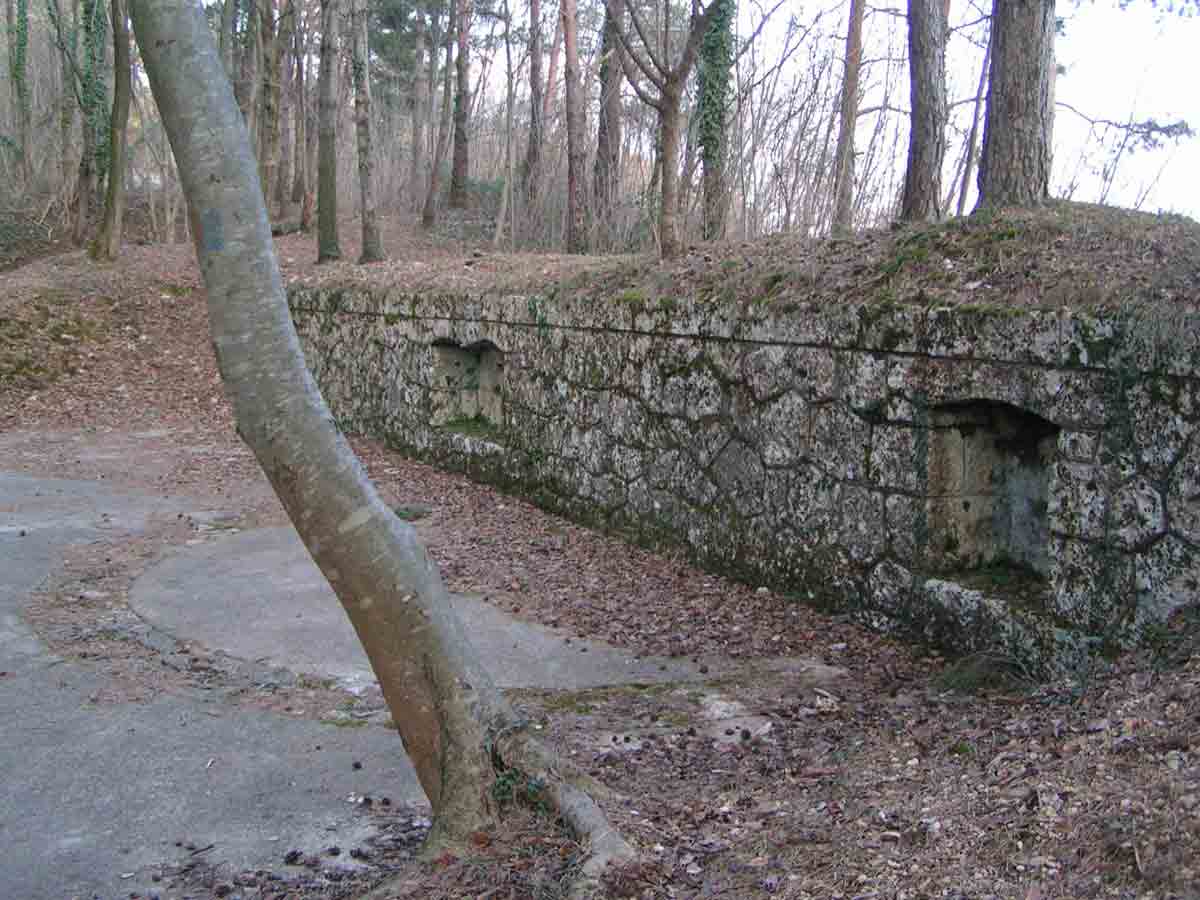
x: 288, y: 119
x: 66, y: 110
x: 92, y: 95
x: 927, y: 127
x: 1014, y: 169
x: 18, y: 71
x: 107, y: 243
x: 552, y: 74
x: 250, y: 82
x: 506, y: 198
x: 460, y: 165
x: 530, y: 168
x: 608, y: 127
x: 843, y: 184
x: 671, y: 120
x: 372, y: 246
x: 269, y: 122
x: 455, y: 725
x: 416, y: 171
x: 228, y: 15
x: 328, y: 248
x: 301, y: 170
x: 576, y: 203
x: 973, y: 135
x: 429, y: 213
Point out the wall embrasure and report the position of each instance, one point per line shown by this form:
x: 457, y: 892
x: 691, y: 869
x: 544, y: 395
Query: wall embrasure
x: 1026, y: 482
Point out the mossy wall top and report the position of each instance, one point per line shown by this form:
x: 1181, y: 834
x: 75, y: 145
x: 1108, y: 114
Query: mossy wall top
x: 981, y: 476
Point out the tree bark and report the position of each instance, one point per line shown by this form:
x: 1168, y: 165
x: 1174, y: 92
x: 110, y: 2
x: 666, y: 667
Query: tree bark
x: 372, y: 246
x: 228, y: 16
x: 18, y: 70
x: 429, y: 213
x: 416, y: 171
x: 607, y: 173
x: 973, y: 134
x: 1014, y: 168
x: 454, y: 723
x: 328, y: 248
x: 922, y: 198
x: 669, y: 126
x: 530, y: 167
x: 270, y: 112
x: 287, y: 117
x: 843, y: 160
x: 107, y: 243
x: 576, y: 203
x: 92, y: 102
x: 716, y: 61
x: 460, y: 163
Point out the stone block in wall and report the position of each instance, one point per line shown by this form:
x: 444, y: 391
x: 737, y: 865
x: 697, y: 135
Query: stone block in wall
x: 1183, y: 495
x: 781, y: 430
x: 1162, y: 419
x: 1091, y: 582
x: 1138, y: 514
x: 907, y: 528
x: 997, y: 334
x: 1078, y: 502
x: 896, y: 457
x: 863, y: 531
x: 840, y: 441
x: 1078, y: 446
x: 1166, y: 580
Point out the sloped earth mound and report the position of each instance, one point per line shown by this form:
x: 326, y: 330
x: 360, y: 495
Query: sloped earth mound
x: 892, y: 781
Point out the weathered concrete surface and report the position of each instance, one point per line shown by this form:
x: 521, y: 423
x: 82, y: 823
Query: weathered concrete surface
x: 96, y: 794
x: 93, y: 795
x: 259, y: 596
x: 860, y: 455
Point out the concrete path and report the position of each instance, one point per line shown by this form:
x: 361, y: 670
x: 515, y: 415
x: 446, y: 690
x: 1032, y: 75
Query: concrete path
x: 259, y: 596
x: 93, y: 796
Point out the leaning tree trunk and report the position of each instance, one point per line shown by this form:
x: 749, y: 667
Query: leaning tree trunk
x: 927, y: 128
x: 455, y: 724
x: 1014, y: 168
x: 843, y: 181
x: 327, y: 224
x: 107, y: 243
x: 576, y: 206
x: 460, y: 161
x: 372, y: 246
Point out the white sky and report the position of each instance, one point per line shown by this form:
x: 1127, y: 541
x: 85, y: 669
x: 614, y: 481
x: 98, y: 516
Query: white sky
x: 1131, y: 63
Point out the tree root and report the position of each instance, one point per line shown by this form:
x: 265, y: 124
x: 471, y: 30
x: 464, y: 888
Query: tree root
x: 572, y: 793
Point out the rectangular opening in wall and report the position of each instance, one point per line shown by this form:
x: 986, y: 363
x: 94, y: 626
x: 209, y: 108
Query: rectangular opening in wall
x: 988, y: 488
x: 468, y: 388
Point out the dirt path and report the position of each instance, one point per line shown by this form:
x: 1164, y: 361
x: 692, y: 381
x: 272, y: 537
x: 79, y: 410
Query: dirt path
x: 888, y: 784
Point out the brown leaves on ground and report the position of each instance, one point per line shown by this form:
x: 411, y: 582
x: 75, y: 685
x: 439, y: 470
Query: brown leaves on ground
x: 759, y: 783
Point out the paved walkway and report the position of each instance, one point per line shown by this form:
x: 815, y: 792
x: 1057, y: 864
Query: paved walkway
x: 95, y: 796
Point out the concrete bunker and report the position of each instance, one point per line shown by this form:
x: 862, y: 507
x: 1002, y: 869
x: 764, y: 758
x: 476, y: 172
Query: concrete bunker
x: 988, y: 487
x: 467, y: 386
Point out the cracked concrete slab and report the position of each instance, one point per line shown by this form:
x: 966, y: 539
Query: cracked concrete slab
x: 258, y: 595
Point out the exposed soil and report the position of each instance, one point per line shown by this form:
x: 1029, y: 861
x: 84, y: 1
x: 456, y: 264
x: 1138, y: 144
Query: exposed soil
x: 889, y: 780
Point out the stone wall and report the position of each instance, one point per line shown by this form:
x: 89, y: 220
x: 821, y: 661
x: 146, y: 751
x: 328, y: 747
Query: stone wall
x: 1021, y: 482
